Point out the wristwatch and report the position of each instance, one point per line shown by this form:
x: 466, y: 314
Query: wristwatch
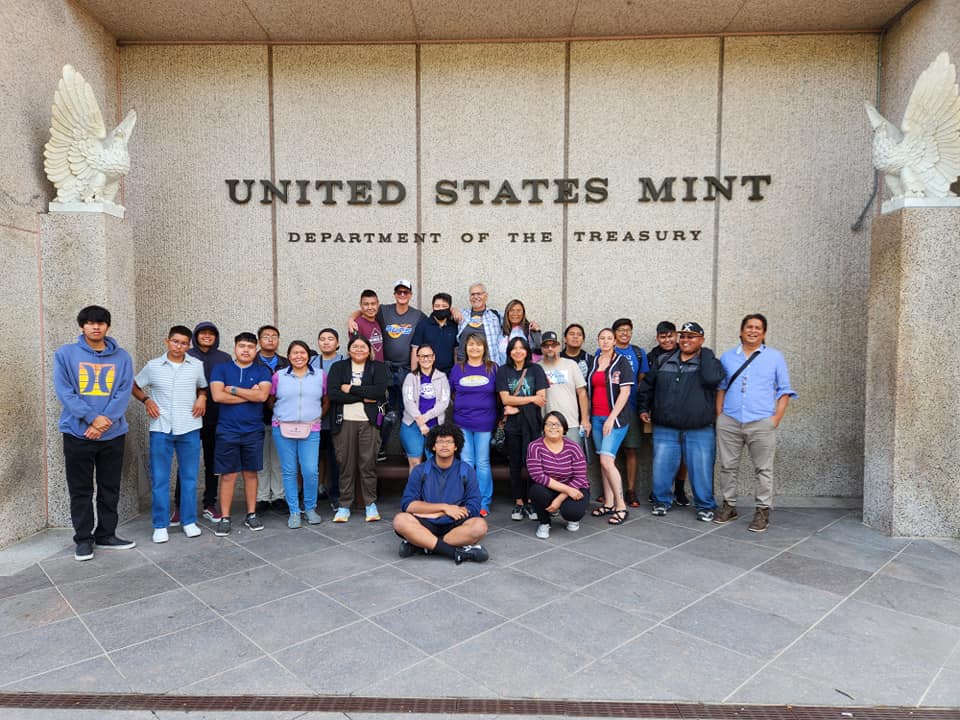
x: 233, y: 389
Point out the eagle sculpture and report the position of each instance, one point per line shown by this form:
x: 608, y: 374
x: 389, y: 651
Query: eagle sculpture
x: 924, y: 159
x: 83, y: 162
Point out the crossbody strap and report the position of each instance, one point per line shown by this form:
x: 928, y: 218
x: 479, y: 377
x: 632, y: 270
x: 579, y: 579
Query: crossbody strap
x: 742, y: 368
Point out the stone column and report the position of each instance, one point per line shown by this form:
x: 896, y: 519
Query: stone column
x: 87, y: 260
x: 911, y: 484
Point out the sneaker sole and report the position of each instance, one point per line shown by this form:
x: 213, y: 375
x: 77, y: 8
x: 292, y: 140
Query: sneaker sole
x: 83, y: 558
x: 253, y: 529
x: 221, y: 534
x: 131, y: 546
x: 757, y: 530
x: 719, y: 521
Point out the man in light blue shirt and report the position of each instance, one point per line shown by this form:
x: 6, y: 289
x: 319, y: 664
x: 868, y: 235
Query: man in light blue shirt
x: 751, y: 402
x: 173, y: 390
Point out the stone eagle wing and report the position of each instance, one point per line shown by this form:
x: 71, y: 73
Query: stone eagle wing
x: 931, y: 127
x: 76, y: 137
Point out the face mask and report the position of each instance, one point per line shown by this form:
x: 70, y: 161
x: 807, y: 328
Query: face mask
x: 440, y: 315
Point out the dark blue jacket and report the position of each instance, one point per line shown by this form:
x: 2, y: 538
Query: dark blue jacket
x: 457, y: 485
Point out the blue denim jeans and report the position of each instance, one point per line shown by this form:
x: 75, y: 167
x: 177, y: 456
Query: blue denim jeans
x: 476, y: 454
x: 698, y: 450
x: 162, y: 448
x: 304, y: 453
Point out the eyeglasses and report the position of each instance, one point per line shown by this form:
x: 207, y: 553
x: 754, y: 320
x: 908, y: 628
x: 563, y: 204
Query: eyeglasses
x: 444, y: 441
x: 425, y: 357
x: 477, y: 294
x: 553, y: 425
x: 402, y: 291
x: 270, y: 337
x: 689, y: 336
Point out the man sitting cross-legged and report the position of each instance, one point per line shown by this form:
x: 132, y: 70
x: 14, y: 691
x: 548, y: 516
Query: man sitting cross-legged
x: 441, y: 503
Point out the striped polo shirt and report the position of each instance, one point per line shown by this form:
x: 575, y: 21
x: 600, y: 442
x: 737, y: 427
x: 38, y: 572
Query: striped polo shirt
x: 174, y: 388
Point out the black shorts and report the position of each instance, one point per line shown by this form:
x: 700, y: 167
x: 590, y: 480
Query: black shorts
x: 438, y: 529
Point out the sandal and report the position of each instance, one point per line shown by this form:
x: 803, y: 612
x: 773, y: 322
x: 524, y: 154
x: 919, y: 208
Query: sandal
x: 601, y: 511
x: 618, y: 517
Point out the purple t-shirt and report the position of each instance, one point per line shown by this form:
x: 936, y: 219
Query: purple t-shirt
x: 428, y: 397
x: 475, y: 397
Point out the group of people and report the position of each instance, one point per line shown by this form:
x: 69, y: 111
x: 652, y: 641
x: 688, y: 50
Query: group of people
x: 455, y: 382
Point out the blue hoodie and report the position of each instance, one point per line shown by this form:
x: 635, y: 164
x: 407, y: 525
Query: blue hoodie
x: 91, y: 383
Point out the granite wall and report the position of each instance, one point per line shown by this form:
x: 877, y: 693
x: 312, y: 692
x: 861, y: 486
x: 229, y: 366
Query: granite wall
x: 788, y: 107
x: 36, y: 40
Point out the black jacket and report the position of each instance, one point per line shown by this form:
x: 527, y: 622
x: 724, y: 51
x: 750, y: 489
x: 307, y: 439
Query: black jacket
x: 372, y: 387
x: 682, y: 394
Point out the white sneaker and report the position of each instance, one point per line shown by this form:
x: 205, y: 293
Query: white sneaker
x: 160, y: 535
x: 573, y: 525
x: 192, y: 530
x: 543, y: 531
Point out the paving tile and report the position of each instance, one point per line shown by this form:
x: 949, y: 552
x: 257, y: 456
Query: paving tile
x: 688, y: 570
x: 685, y: 667
x: 775, y: 687
x: 119, y: 587
x: 945, y: 690
x: 435, y: 622
x: 606, y: 680
x: 172, y: 661
x: 614, y: 548
x: 65, y: 569
x: 247, y: 588
x: 819, y: 574
x: 748, y: 631
x: 656, y: 532
x: 330, y: 564
x: 355, y: 529
x: 856, y: 667
x: 799, y: 603
x: 743, y: 555
x: 596, y: 626
x: 28, y: 580
x: 442, y: 571
x: 373, y: 592
x: 287, y: 544
x: 508, y: 592
x: 929, y: 563
x: 147, y: 618
x: 263, y: 676
x: 349, y: 658
x: 32, y: 609
x: 95, y: 675
x: 292, y: 619
x: 222, y: 558
x: 518, y: 669
x: 507, y: 547
x: 641, y: 595
x: 861, y: 557
x: 45, y: 648
x: 428, y: 678
x: 926, y: 601
x: 851, y: 529
x: 179, y: 544
x: 894, y: 636
x: 559, y: 535
x: 566, y: 569
x: 682, y: 517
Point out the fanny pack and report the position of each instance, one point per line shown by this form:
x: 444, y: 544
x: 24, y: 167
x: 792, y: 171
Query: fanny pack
x: 296, y: 430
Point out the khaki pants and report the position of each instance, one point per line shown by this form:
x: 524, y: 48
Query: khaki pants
x: 356, y: 447
x: 760, y: 437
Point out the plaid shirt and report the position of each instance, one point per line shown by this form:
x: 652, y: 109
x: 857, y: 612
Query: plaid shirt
x: 491, y: 328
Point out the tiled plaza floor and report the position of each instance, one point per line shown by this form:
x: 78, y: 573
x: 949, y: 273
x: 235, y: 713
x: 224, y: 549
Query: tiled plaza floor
x: 817, y: 610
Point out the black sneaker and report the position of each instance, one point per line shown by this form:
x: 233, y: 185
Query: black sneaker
x: 253, y: 522
x: 84, y: 551
x: 470, y: 552
x: 407, y: 549
x: 115, y: 543
x: 682, y: 500
x: 659, y: 510
x: 222, y: 528
x: 530, y: 511
x: 280, y: 505
x: 381, y: 456
x: 263, y: 505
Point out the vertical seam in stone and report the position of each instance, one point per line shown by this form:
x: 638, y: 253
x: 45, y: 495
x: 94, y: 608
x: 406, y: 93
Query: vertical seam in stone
x: 566, y: 173
x: 43, y: 377
x: 118, y: 115
x: 273, y: 179
x: 716, y: 208
x: 419, y: 195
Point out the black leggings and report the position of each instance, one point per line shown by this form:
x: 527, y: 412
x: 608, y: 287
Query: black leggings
x: 517, y: 456
x: 571, y: 510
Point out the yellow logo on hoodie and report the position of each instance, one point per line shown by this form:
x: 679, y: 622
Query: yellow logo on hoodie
x: 96, y: 378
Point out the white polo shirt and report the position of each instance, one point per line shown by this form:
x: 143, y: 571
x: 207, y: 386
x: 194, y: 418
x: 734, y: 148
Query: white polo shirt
x: 173, y: 386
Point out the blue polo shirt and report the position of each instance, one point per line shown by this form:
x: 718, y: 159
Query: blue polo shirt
x: 244, y: 417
